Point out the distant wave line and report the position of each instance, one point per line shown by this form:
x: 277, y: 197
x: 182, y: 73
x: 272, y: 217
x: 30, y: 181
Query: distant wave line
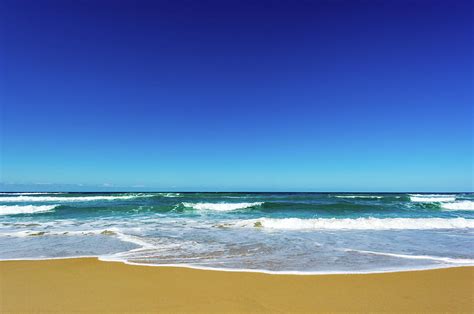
x: 23, y: 198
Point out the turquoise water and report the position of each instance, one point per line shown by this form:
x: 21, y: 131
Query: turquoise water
x: 275, y: 232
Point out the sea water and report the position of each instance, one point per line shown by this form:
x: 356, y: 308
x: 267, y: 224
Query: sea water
x: 270, y: 232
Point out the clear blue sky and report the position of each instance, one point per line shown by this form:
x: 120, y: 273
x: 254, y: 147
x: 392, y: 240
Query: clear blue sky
x: 237, y: 95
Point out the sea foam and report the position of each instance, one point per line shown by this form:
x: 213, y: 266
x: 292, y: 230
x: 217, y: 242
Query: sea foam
x: 221, y: 206
x: 170, y: 194
x: 358, y: 223
x: 431, y: 198
x: 360, y: 196
x: 28, y: 193
x: 115, y: 232
x: 26, y: 209
x: 425, y: 257
x: 459, y: 205
x: 24, y: 198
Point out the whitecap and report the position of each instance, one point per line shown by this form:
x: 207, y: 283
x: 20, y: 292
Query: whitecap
x: 170, y: 194
x: 221, y: 206
x: 29, y: 193
x: 24, y: 198
x: 360, y: 196
x: 25, y: 209
x: 431, y: 198
x: 459, y: 205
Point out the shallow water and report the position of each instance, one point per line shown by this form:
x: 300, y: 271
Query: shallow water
x: 278, y: 232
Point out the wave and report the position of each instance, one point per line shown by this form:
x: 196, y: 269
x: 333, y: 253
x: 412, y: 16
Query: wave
x: 24, y: 198
x: 221, y: 206
x: 459, y: 205
x: 113, y: 232
x: 431, y: 198
x: 425, y: 257
x: 27, y: 209
x: 360, y: 196
x: 114, y: 258
x: 169, y: 194
x: 330, y: 208
x: 358, y: 223
x: 38, y: 233
x: 29, y: 193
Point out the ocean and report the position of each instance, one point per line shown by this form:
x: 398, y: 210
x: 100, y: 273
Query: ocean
x: 300, y: 233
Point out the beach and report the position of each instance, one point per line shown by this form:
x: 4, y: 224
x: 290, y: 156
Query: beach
x: 287, y: 156
x: 236, y: 252
x: 90, y: 285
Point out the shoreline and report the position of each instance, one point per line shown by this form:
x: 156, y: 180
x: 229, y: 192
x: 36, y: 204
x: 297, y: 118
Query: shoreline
x: 91, y: 285
x: 239, y: 270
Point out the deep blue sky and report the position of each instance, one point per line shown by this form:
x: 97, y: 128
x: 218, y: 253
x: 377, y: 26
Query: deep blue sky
x: 237, y: 95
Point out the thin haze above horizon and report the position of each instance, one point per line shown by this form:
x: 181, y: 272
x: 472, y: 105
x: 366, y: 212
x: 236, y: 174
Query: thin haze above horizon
x: 236, y: 95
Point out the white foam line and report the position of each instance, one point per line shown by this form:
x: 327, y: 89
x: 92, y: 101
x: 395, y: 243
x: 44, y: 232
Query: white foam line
x: 133, y: 239
x: 359, y: 196
x: 29, y: 193
x: 459, y: 205
x: 220, y: 206
x: 435, y: 198
x: 24, y: 198
x: 169, y: 194
x: 425, y: 257
x: 115, y: 232
x: 433, y: 195
x: 31, y: 233
x: 106, y: 258
x: 283, y: 272
x: 369, y: 223
x: 25, y: 209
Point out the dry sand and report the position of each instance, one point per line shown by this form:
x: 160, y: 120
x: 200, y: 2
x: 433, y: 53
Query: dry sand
x: 86, y: 284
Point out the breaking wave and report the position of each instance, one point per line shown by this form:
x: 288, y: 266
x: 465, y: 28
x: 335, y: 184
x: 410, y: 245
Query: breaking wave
x: 459, y: 205
x: 29, y: 193
x: 360, y: 196
x: 24, y: 198
x: 26, y: 209
x: 220, y: 206
x: 431, y: 198
x: 169, y: 194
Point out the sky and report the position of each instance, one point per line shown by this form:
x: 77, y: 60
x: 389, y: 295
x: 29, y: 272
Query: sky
x: 236, y: 95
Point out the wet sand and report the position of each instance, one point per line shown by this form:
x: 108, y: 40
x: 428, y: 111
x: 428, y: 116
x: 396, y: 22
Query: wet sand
x: 89, y: 285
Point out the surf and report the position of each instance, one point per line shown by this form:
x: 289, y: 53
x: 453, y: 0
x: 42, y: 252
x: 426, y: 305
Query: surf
x: 25, y: 209
x: 431, y: 198
x: 24, y: 198
x: 223, y: 207
x: 358, y: 223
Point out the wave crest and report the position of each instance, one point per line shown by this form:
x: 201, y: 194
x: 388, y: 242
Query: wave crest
x: 459, y: 205
x: 432, y: 198
x: 169, y: 194
x: 360, y: 196
x: 221, y: 206
x: 29, y: 193
x: 26, y: 209
x: 24, y: 198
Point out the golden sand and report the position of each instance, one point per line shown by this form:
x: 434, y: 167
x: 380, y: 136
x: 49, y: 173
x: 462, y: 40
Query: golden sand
x: 89, y: 285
